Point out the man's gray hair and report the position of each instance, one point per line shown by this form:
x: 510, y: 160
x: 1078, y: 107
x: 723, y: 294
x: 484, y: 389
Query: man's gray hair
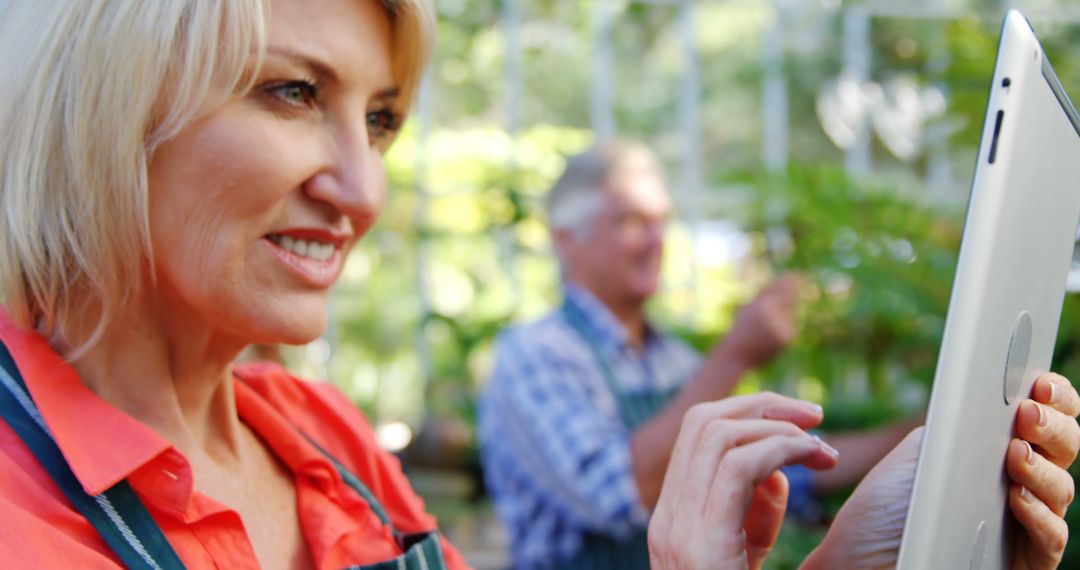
x: 576, y: 198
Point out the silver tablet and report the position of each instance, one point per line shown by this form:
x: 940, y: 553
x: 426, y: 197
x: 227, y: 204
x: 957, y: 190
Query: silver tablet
x: 1004, y: 311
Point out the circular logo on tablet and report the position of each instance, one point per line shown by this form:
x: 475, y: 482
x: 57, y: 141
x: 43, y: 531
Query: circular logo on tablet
x: 1017, y: 360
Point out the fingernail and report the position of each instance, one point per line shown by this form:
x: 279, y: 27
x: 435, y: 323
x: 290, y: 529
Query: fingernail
x: 828, y: 448
x: 1024, y: 493
x: 1053, y: 393
x: 1030, y: 454
x: 1042, y: 414
x: 814, y: 408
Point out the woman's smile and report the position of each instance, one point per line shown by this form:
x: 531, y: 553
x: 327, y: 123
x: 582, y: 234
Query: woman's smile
x: 314, y: 256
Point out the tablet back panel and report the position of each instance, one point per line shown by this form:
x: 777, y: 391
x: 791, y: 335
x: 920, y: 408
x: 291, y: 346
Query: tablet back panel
x: 1003, y: 313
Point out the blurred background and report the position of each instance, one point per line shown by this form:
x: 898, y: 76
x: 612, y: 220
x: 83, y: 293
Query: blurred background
x: 832, y: 137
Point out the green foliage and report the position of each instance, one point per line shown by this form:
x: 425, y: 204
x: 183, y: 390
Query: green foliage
x: 1067, y: 362
x: 880, y: 265
x: 793, y: 545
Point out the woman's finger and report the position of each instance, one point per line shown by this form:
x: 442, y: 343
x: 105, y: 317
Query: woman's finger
x: 684, y: 531
x: 766, y: 515
x: 709, y: 432
x: 665, y: 527
x: 1056, y: 435
x: 729, y: 498
x: 1056, y: 391
x: 761, y: 405
x: 1049, y: 483
x: 718, y: 439
x: 1047, y: 533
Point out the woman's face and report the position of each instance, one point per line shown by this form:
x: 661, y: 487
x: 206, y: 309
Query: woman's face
x: 254, y: 207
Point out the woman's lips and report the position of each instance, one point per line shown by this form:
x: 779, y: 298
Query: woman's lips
x: 316, y: 263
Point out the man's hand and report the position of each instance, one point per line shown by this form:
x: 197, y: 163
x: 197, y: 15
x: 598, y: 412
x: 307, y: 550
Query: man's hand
x: 766, y: 326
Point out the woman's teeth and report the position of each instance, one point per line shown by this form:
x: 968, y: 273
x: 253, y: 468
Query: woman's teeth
x: 304, y: 248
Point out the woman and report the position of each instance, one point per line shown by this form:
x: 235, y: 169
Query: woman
x: 189, y: 177
x: 182, y: 178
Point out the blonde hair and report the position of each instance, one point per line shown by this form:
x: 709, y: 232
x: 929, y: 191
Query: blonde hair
x: 414, y: 40
x: 91, y: 89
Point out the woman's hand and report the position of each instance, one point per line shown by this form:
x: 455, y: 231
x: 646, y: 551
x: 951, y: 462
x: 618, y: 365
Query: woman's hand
x: 1042, y: 489
x: 723, y: 499
x: 868, y: 529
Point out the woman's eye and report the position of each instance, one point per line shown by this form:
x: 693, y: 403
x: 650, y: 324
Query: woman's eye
x: 383, y: 125
x: 297, y: 93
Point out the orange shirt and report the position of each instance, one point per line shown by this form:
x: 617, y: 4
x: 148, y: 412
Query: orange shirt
x: 40, y: 529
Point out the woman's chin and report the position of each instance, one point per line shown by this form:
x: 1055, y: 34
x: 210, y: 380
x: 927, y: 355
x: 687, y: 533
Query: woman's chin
x: 299, y: 339
x: 304, y: 333
x: 295, y: 328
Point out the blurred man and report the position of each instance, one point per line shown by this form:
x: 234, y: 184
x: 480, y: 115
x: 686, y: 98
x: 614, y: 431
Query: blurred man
x: 580, y: 416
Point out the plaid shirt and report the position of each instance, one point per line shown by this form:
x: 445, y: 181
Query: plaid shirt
x: 555, y: 452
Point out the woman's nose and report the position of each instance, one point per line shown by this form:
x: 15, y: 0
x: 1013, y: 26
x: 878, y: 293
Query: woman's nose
x: 354, y: 182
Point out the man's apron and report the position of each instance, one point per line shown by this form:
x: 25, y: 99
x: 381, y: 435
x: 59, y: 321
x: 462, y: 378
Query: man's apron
x: 599, y: 551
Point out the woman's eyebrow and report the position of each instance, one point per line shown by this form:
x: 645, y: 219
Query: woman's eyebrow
x: 322, y: 69
x: 390, y: 93
x: 313, y: 64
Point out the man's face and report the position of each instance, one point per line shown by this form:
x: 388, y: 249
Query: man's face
x: 619, y: 259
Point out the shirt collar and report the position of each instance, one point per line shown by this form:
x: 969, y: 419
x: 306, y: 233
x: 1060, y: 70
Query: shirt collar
x: 288, y: 443
x: 598, y: 318
x: 101, y: 444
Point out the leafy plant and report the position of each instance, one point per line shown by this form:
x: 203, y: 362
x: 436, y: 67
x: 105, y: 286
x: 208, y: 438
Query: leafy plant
x: 879, y: 264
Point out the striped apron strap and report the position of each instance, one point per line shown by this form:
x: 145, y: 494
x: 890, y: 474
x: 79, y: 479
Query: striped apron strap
x: 634, y: 410
x: 422, y: 551
x: 577, y: 322
x: 117, y: 514
x: 598, y: 551
x: 426, y: 554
